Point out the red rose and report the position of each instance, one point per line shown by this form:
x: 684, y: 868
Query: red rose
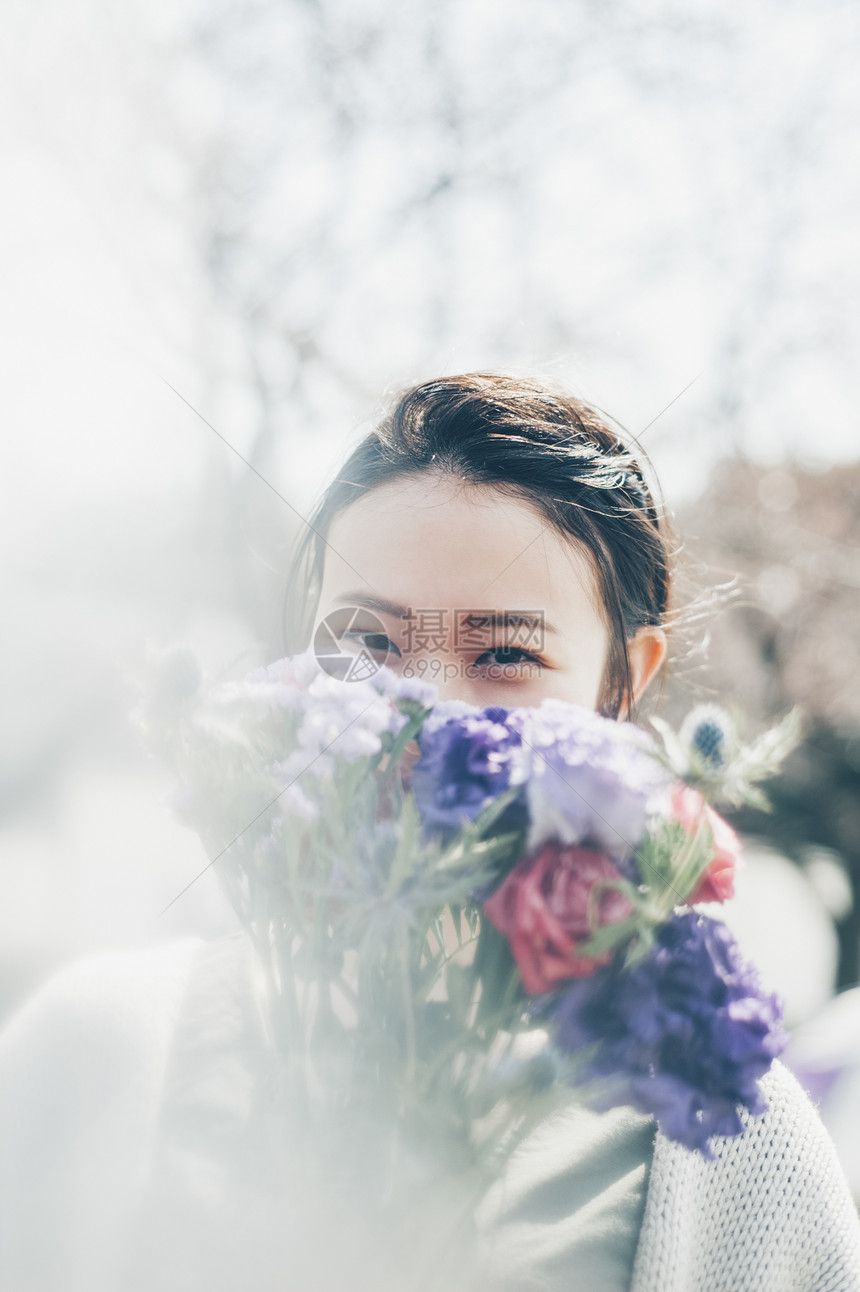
x: 541, y: 909
x: 718, y: 882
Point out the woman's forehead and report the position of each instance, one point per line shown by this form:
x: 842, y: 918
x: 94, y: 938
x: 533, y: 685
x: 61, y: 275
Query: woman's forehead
x: 445, y: 543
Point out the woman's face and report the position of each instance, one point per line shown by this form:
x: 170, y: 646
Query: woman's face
x: 468, y: 589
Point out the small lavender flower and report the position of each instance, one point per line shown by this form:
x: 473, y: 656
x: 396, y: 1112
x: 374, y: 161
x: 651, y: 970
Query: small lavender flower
x: 305, y: 667
x: 444, y: 710
x: 283, y: 684
x: 589, y: 780
x: 410, y: 689
x: 259, y: 690
x: 349, y: 718
x: 685, y: 1034
x: 299, y: 670
x: 416, y: 691
x: 295, y: 802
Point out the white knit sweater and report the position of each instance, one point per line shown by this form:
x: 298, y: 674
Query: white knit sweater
x: 773, y: 1213
x: 82, y: 1068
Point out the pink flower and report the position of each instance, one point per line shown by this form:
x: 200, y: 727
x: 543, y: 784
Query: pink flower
x: 541, y: 907
x: 718, y: 882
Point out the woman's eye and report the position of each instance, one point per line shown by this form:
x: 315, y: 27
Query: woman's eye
x: 510, y: 656
x: 377, y: 643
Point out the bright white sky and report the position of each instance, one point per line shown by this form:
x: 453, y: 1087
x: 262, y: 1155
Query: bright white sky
x: 104, y: 292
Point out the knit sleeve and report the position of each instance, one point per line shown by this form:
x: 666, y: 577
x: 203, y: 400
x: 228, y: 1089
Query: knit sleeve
x: 772, y: 1213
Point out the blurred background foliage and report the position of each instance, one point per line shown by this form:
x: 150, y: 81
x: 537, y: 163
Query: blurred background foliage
x: 232, y: 229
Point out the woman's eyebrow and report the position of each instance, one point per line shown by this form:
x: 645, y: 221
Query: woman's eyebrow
x: 485, y: 618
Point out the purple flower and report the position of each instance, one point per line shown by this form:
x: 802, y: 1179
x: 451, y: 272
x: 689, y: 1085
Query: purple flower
x: 590, y: 781
x: 466, y: 762
x: 685, y: 1034
x: 408, y: 689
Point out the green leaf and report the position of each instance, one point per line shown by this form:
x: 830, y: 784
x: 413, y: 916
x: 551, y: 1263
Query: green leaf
x: 489, y: 814
x: 458, y: 981
x: 609, y: 936
x: 481, y: 853
x: 493, y: 964
x: 407, y: 732
x: 675, y: 757
x: 407, y: 847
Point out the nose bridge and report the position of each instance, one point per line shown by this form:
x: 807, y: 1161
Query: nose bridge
x: 430, y: 641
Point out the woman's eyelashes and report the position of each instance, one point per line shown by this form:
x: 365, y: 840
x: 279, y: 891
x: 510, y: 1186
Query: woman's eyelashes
x: 508, y: 662
x: 376, y: 643
x: 509, y: 657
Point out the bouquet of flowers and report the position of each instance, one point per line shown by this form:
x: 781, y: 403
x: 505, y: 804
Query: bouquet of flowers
x: 465, y: 916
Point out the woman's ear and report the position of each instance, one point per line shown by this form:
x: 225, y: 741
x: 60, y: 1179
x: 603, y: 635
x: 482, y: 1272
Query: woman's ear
x: 646, y: 651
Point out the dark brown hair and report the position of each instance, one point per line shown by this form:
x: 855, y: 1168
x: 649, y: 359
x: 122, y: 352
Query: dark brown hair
x: 530, y: 440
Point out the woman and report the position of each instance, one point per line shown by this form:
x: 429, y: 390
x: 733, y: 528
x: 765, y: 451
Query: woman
x: 489, y: 490
x: 495, y: 536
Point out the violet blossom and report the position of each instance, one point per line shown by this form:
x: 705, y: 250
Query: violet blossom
x: 685, y: 1034
x: 590, y: 781
x: 466, y: 762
